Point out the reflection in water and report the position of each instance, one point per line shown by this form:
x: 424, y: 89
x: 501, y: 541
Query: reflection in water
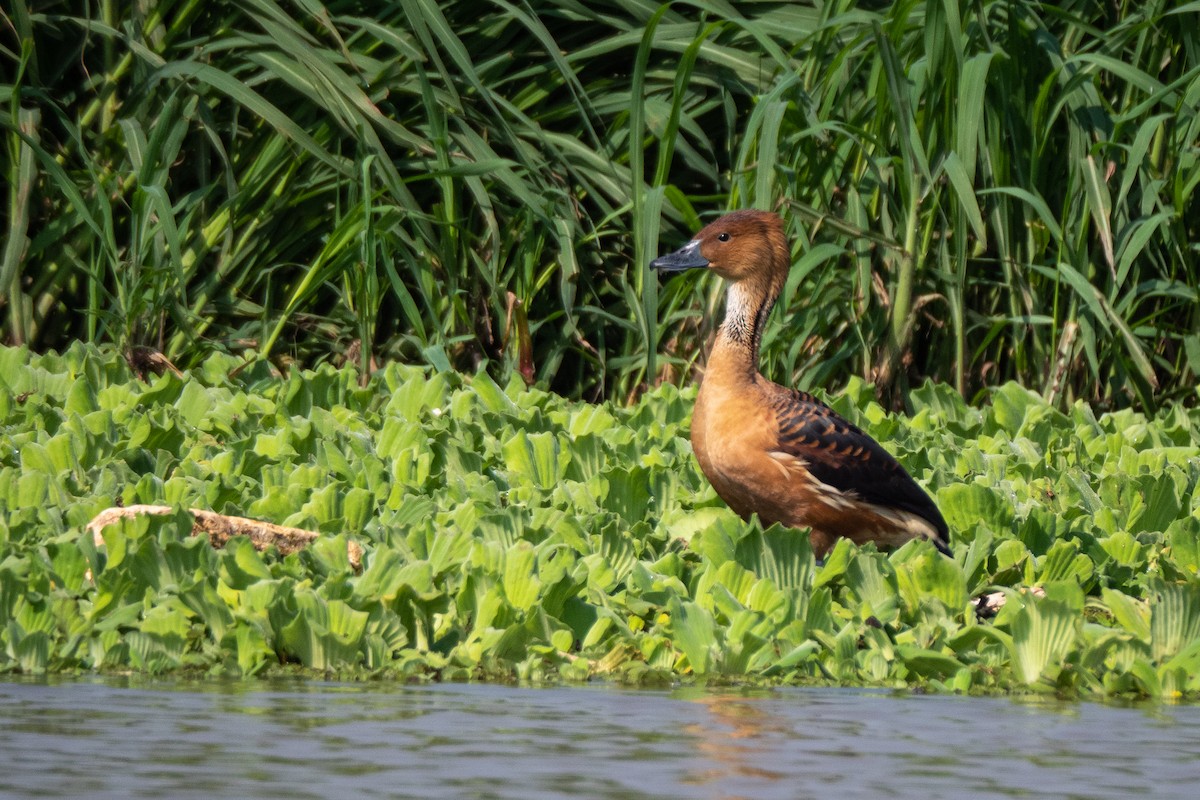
x: 731, y: 738
x: 845, y: 743
x: 303, y: 739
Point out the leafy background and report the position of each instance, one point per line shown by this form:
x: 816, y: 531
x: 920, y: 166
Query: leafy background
x: 363, y: 230
x: 979, y: 191
x: 511, y: 533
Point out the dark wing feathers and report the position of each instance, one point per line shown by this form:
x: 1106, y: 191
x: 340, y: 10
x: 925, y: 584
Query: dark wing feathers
x: 839, y: 454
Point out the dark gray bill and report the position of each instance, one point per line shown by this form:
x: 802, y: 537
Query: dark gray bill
x: 686, y: 257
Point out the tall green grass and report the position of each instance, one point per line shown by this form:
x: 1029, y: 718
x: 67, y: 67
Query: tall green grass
x: 979, y: 191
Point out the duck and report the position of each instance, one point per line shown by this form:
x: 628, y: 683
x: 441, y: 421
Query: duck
x: 777, y: 452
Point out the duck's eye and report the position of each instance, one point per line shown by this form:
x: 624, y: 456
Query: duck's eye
x: 723, y: 237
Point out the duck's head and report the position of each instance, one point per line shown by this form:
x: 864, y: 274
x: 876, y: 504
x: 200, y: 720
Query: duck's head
x: 743, y: 246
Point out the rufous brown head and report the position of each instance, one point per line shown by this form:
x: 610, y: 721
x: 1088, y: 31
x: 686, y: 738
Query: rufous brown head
x: 738, y: 246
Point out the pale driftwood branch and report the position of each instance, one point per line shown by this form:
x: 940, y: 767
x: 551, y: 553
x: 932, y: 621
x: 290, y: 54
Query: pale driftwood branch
x: 220, y: 529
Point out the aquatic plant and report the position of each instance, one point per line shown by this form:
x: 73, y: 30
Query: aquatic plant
x: 509, y: 533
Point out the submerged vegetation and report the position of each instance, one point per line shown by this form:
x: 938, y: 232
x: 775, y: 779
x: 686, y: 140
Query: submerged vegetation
x: 982, y: 191
x: 510, y: 533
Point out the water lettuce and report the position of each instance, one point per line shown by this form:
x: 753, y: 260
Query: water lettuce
x: 511, y: 534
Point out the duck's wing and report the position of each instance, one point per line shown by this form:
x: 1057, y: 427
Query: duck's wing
x: 839, y: 454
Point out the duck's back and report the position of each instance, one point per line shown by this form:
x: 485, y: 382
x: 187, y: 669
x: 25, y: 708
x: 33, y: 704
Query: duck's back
x: 790, y: 458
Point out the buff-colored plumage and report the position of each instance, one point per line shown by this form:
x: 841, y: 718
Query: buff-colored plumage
x: 777, y: 452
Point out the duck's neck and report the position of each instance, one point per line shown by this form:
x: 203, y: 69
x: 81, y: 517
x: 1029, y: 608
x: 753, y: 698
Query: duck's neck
x: 735, y: 352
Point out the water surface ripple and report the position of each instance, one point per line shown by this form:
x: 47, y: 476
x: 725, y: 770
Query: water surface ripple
x: 101, y: 739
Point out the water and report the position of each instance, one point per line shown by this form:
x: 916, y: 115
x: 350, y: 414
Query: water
x: 101, y: 739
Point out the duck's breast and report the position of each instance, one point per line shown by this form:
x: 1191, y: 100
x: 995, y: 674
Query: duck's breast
x: 733, y: 430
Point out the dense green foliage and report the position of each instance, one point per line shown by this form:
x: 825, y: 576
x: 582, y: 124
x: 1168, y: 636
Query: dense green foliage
x: 511, y: 533
x: 980, y: 191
